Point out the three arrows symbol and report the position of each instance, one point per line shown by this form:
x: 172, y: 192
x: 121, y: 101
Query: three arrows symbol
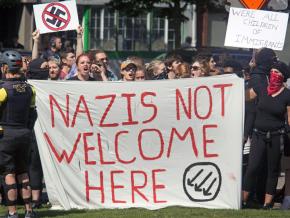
x: 197, y: 187
x: 206, y: 191
x: 190, y: 181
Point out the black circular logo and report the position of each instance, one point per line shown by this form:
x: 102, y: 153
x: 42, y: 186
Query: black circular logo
x: 202, y: 181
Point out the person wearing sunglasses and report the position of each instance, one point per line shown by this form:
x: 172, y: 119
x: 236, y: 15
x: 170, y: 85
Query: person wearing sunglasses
x: 128, y: 70
x: 200, y: 67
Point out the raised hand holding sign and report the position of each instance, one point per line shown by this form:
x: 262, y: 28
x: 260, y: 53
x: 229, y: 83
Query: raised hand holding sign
x: 56, y: 16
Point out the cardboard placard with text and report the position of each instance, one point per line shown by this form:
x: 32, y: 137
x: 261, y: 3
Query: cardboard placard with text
x: 248, y: 28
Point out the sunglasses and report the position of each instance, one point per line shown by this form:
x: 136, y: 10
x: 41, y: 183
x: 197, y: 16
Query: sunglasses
x: 195, y: 68
x: 130, y: 69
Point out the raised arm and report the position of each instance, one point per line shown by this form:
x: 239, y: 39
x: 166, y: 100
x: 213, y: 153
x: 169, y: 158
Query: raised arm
x: 79, y: 48
x: 36, y: 42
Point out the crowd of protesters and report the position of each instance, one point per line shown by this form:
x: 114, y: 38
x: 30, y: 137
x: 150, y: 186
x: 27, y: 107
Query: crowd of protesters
x: 267, y: 111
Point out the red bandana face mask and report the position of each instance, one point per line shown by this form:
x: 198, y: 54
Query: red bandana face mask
x: 275, y: 83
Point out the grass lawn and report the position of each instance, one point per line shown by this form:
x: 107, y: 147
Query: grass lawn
x: 174, y: 212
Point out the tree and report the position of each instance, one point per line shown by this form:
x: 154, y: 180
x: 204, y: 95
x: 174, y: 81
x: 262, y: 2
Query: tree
x: 174, y: 10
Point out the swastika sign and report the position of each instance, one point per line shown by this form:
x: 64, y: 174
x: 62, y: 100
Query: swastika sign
x: 56, y: 16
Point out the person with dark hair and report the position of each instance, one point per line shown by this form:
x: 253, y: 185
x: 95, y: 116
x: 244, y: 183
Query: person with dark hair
x: 269, y: 132
x: 261, y: 63
x: 213, y: 70
x: 200, y: 66
x: 171, y: 64
x: 55, y: 45
x: 183, y: 71
x: 231, y: 66
x: 67, y: 57
x: 38, y: 69
x: 83, y: 63
x: 68, y: 67
x: 96, y: 73
x: 18, y: 115
x: 100, y: 55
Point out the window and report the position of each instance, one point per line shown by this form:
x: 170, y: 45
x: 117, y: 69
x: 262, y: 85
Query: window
x: 157, y: 34
x: 132, y: 34
x: 109, y: 39
x: 95, y: 28
x: 171, y: 36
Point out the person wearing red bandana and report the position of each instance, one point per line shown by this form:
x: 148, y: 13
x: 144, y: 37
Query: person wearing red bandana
x: 260, y: 66
x: 269, y: 133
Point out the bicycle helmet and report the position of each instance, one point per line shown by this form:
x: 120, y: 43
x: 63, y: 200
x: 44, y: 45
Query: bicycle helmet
x: 13, y: 59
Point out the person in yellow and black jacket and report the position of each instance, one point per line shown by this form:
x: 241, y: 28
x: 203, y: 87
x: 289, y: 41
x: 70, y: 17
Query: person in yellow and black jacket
x: 17, y: 117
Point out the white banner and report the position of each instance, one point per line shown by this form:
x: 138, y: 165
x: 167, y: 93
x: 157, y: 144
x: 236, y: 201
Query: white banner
x: 147, y: 144
x: 56, y: 16
x: 249, y: 28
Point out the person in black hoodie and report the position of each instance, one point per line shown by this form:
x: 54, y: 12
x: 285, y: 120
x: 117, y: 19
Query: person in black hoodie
x: 264, y: 60
x: 261, y: 64
x: 38, y: 69
x: 269, y: 133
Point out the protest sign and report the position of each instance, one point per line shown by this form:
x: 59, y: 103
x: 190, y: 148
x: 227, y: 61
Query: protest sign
x: 249, y: 28
x: 148, y: 144
x: 56, y: 16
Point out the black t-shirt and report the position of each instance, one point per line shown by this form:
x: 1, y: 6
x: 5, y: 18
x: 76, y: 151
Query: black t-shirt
x: 258, y: 81
x: 76, y: 78
x: 271, y: 111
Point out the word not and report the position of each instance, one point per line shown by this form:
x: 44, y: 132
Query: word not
x: 147, y: 101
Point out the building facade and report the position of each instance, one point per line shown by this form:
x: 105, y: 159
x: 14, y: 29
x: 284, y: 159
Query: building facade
x: 113, y: 31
